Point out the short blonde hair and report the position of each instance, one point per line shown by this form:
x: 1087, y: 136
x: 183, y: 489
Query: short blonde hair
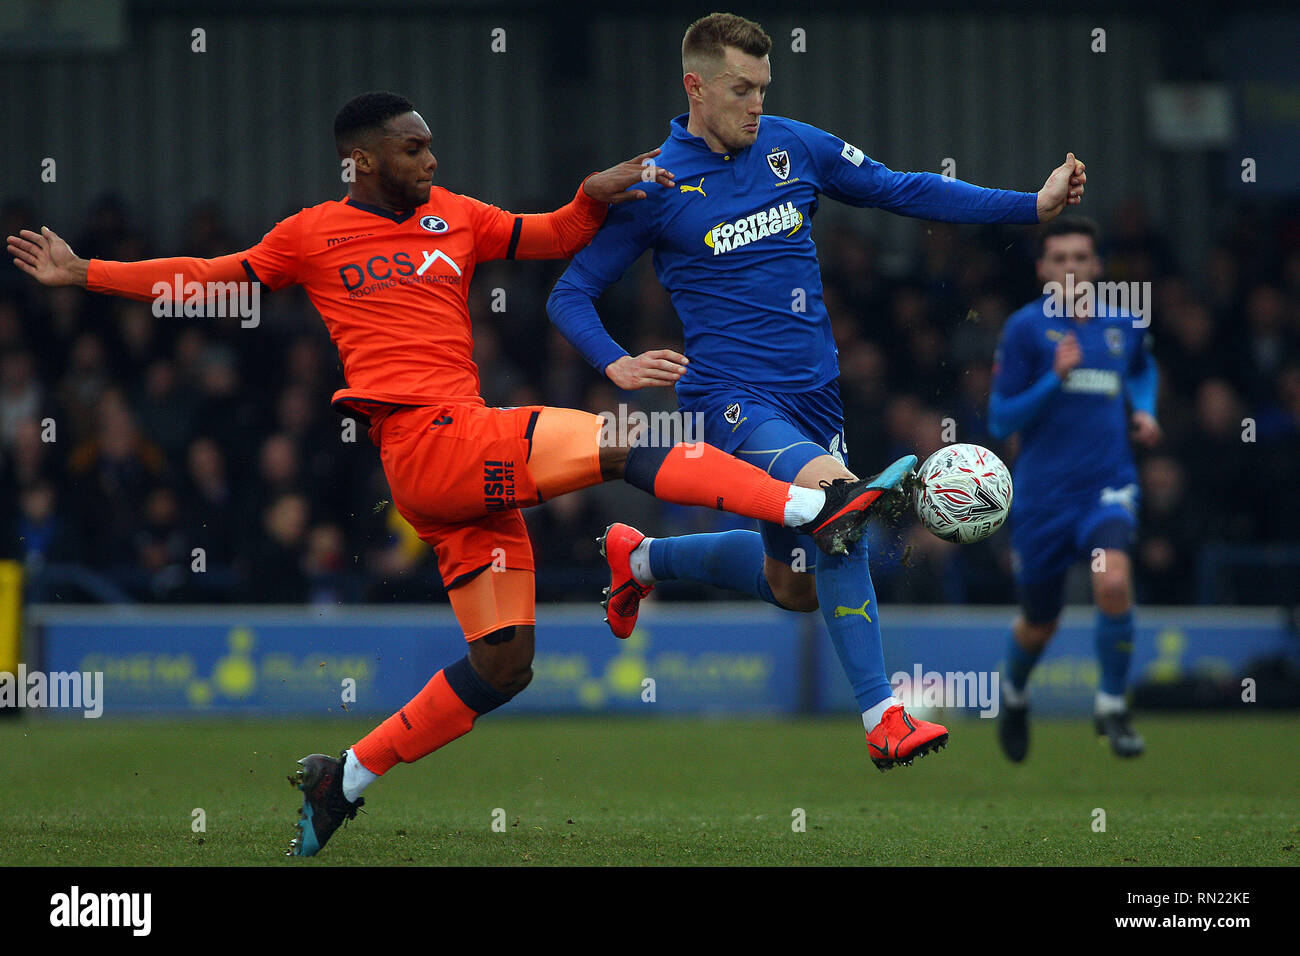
x: 707, y: 39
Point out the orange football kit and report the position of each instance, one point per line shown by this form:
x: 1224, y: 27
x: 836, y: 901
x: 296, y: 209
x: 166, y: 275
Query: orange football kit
x: 393, y: 291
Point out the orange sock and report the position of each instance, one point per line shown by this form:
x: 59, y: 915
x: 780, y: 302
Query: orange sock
x: 700, y: 474
x: 445, y: 709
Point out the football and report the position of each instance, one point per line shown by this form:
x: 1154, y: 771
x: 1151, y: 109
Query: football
x: 962, y: 493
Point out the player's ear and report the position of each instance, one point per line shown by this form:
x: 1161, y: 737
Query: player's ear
x: 362, y: 160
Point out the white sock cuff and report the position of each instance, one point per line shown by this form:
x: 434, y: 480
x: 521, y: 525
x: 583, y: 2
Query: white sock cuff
x: 639, y: 562
x: 1012, y: 696
x: 1110, y: 704
x: 873, y: 715
x: 803, y: 505
x: 355, y: 776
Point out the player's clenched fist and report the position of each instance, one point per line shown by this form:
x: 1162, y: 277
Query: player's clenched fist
x: 1146, y: 430
x: 1068, y: 355
x: 656, y: 367
x: 1064, y: 187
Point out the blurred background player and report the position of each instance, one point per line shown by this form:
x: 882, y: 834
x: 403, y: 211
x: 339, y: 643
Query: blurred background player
x: 389, y: 269
x: 1074, y: 378
x: 733, y: 246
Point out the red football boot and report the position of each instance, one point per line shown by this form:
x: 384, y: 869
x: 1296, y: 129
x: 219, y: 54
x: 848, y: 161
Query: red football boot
x: 899, y: 738
x: 623, y: 596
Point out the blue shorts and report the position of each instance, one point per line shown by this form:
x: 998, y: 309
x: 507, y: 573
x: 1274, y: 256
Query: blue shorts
x: 1045, y: 542
x: 779, y: 432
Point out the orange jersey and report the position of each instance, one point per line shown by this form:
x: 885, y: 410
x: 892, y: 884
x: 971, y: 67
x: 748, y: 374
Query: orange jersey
x: 392, y: 289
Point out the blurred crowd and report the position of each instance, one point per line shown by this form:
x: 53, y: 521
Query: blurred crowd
x: 188, y: 459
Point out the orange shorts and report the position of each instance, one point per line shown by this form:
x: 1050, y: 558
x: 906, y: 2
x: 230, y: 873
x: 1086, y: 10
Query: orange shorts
x: 459, y: 473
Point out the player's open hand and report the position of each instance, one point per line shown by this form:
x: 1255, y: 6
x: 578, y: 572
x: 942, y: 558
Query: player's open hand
x: 614, y: 184
x: 656, y: 367
x: 1146, y: 430
x: 1068, y: 355
x: 47, y: 258
x: 1063, y: 188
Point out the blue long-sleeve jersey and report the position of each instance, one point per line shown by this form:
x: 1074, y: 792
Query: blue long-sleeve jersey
x: 1074, y: 432
x: 733, y: 246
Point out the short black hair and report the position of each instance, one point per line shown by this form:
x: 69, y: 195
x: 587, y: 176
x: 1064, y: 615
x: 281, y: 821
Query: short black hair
x: 1069, y: 226
x: 364, y: 114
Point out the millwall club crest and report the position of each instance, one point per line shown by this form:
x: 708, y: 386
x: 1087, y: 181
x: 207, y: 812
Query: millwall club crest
x: 1115, y: 341
x: 779, y: 162
x: 732, y: 414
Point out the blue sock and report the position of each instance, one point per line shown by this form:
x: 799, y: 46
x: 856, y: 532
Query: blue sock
x: 1114, y: 650
x: 731, y: 560
x: 848, y: 605
x: 1020, y: 663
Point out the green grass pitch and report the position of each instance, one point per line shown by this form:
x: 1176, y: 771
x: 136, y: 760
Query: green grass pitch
x: 1211, y: 790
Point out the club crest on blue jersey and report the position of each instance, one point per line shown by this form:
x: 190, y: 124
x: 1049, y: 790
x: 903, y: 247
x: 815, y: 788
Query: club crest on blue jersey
x: 433, y: 224
x: 779, y: 162
x: 732, y: 413
x: 1115, y: 341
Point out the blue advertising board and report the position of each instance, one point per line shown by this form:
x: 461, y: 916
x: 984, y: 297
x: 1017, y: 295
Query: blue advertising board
x: 698, y: 658
x: 1170, y: 644
x: 298, y: 660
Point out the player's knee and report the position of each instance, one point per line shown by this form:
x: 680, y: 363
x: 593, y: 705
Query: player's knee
x: 793, y: 591
x: 1034, y: 635
x: 1112, y: 593
x: 504, y: 659
x: 509, y: 677
x: 615, y: 444
x: 516, y: 679
x: 613, y: 461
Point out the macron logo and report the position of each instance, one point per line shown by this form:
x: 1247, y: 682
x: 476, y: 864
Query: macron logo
x: 74, y: 909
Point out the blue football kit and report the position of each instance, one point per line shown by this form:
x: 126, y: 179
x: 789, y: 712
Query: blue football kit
x: 733, y: 246
x: 1075, y: 479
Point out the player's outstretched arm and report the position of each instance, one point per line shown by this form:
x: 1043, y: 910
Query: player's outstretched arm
x: 47, y: 258
x: 849, y: 176
x: 560, y: 234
